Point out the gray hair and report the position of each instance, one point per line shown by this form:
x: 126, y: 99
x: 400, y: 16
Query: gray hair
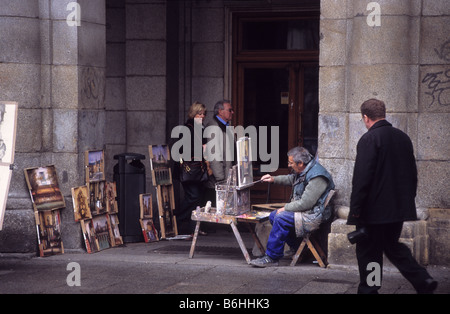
x: 300, y: 154
x: 219, y: 106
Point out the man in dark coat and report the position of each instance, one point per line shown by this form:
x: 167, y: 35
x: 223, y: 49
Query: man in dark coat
x: 383, y: 192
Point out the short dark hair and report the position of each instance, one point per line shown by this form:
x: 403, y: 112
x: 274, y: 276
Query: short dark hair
x: 219, y: 105
x: 374, y: 109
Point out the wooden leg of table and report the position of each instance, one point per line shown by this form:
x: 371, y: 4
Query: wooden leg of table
x: 241, y: 243
x: 255, y: 237
x: 194, y: 240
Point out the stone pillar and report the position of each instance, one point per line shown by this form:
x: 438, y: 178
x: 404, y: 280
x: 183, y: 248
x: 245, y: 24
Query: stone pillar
x: 364, y: 56
x: 55, y: 69
x: 22, y: 79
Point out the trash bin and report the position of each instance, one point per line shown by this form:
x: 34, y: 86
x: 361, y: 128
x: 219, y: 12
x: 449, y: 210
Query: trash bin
x: 129, y: 175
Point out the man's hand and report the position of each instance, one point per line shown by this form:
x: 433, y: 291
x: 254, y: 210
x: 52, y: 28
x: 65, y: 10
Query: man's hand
x: 267, y: 178
x: 279, y: 210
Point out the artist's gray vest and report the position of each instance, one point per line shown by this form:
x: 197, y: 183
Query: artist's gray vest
x: 318, y: 213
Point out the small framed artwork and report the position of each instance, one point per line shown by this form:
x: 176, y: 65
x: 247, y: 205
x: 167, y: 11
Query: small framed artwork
x: 244, y: 162
x: 114, y: 223
x: 145, y: 201
x: 44, y: 189
x: 90, y: 238
x: 97, y: 198
x: 149, y: 230
x: 159, y: 164
x: 48, y: 224
x: 111, y: 198
x: 80, y: 197
x: 5, y: 175
x: 95, y: 165
x: 166, y: 205
x: 8, y: 126
x: 102, y: 231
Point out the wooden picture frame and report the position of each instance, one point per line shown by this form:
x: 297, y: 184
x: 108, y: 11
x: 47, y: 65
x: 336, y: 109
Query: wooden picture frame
x: 80, y: 198
x: 111, y: 198
x: 166, y: 205
x: 44, y: 189
x: 145, y: 201
x: 97, y: 198
x: 48, y: 225
x: 115, y: 232
x: 102, y: 229
x: 89, y: 236
x: 5, y: 175
x: 159, y: 164
x: 94, y: 161
x: 149, y: 230
x: 8, y: 129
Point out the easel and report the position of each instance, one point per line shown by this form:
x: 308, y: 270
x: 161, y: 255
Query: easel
x: 162, y: 180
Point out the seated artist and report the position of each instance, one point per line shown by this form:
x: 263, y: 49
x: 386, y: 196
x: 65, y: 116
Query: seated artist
x: 311, y: 183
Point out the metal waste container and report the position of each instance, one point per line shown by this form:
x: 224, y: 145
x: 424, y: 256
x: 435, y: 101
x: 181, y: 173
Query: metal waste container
x: 129, y: 175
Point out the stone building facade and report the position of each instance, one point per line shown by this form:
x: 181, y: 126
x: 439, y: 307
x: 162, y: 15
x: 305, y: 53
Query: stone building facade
x: 124, y: 76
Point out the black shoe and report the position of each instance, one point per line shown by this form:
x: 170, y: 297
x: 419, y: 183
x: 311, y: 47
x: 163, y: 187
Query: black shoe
x: 264, y: 261
x: 428, y: 286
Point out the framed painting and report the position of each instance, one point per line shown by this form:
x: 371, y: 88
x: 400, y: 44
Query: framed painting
x: 48, y: 224
x: 159, y: 164
x: 111, y: 198
x: 95, y: 165
x: 80, y: 198
x: 149, y: 230
x: 145, y: 201
x: 114, y: 223
x: 97, y: 198
x: 102, y: 231
x: 244, y: 162
x: 89, y: 236
x: 8, y: 127
x: 166, y: 205
x: 5, y: 175
x: 44, y: 189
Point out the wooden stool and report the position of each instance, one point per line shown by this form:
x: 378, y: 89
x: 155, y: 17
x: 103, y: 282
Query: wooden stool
x: 313, y: 245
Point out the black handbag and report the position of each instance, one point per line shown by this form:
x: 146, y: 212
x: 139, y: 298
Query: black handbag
x: 193, y: 171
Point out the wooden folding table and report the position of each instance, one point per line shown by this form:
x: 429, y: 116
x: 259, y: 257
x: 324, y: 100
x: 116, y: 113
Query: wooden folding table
x: 251, y: 217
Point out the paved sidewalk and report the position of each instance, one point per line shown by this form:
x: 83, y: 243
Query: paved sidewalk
x: 164, y: 267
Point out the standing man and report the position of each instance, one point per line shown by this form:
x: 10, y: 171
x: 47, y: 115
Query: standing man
x: 383, y: 191
x: 223, y: 113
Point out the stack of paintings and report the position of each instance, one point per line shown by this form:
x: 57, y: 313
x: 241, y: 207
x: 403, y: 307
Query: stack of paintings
x: 47, y: 202
x: 146, y: 218
x: 95, y: 206
x: 162, y: 180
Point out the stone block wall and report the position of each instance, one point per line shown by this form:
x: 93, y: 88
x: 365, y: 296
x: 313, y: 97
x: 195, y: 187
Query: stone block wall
x: 55, y: 71
x: 403, y: 61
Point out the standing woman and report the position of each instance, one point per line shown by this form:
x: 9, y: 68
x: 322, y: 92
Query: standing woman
x: 193, y: 173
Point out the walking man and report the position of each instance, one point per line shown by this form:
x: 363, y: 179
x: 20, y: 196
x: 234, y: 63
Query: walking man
x: 383, y: 191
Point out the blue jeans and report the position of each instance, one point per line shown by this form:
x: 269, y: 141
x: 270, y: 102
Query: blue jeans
x: 283, y: 231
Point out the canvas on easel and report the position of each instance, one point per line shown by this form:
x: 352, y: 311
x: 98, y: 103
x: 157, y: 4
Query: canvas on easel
x: 8, y: 127
x: 244, y: 162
